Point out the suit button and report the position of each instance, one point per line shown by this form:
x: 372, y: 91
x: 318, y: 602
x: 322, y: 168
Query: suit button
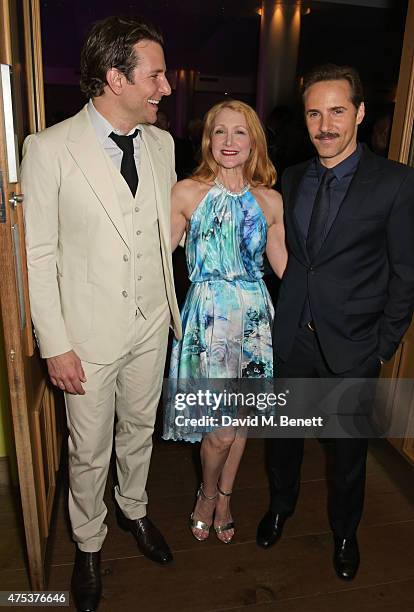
x: 125, y: 293
x: 138, y: 232
x: 136, y: 209
x: 139, y: 277
x: 139, y: 255
x: 125, y: 258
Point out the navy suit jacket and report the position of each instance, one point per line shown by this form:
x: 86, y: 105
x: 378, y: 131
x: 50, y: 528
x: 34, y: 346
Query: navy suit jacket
x: 361, y: 282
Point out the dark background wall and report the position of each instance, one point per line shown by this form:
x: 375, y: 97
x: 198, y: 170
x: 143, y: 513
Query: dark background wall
x: 219, y: 39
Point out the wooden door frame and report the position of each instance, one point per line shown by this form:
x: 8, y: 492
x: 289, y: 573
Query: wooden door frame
x: 402, y: 136
x: 403, y: 122
x: 34, y: 64
x: 18, y: 345
x: 15, y: 370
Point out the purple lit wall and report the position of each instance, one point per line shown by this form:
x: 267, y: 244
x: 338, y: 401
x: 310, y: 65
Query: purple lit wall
x: 220, y: 39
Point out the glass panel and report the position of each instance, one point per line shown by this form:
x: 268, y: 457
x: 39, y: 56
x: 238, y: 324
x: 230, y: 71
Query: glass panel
x: 6, y: 91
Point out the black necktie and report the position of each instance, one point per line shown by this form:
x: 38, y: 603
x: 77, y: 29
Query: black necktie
x: 320, y: 212
x: 128, y: 166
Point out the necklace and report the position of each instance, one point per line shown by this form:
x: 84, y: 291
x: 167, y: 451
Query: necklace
x: 243, y: 190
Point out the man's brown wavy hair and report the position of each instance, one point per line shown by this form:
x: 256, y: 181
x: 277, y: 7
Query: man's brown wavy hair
x: 110, y: 44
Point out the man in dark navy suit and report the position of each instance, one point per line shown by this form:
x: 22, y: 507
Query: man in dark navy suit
x: 347, y: 295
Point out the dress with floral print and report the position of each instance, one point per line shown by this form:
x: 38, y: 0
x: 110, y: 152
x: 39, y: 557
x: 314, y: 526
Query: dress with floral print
x: 227, y: 315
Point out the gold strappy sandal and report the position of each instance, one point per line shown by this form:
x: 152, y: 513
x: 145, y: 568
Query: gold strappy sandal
x: 228, y: 526
x: 198, y: 524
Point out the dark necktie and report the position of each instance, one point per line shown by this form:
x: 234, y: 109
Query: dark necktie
x: 320, y: 212
x: 128, y: 166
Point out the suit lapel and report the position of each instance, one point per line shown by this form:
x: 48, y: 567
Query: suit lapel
x: 361, y: 185
x: 91, y: 159
x: 162, y: 182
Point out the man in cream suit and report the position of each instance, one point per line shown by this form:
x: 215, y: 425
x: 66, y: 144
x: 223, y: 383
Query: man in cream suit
x: 102, y: 296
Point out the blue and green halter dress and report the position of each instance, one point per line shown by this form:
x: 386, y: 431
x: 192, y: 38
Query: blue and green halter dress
x: 228, y: 313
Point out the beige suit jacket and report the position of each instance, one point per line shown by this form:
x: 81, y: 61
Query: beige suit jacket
x: 76, y: 239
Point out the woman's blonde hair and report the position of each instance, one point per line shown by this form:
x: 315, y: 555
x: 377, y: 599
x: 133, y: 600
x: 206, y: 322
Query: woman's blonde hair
x: 258, y: 169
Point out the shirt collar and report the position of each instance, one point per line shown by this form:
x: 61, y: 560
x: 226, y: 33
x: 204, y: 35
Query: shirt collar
x: 347, y: 166
x: 102, y: 126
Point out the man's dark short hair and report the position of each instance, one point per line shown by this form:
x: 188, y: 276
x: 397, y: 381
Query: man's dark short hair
x: 332, y: 72
x: 110, y: 44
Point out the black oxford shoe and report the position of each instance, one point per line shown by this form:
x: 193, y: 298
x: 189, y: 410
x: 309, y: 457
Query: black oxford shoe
x: 150, y: 541
x: 270, y: 529
x: 346, y: 557
x: 86, y: 580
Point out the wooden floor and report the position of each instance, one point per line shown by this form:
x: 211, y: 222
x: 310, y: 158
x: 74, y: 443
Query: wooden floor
x: 294, y: 576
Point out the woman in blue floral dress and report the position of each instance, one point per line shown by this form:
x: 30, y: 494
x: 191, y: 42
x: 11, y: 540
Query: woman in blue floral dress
x: 231, y: 216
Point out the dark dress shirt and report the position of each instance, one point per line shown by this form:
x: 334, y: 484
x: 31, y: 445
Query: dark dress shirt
x: 308, y: 188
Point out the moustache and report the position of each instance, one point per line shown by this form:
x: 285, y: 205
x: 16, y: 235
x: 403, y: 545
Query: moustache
x: 327, y: 135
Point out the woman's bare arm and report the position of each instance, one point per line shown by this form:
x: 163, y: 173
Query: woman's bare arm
x: 275, y: 247
x: 185, y: 197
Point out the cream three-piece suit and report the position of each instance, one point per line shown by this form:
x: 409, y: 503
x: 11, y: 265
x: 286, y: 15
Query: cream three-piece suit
x: 101, y: 283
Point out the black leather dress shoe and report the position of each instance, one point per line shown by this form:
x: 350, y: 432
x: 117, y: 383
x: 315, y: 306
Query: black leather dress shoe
x: 346, y: 557
x: 270, y: 529
x: 86, y: 580
x: 150, y: 541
